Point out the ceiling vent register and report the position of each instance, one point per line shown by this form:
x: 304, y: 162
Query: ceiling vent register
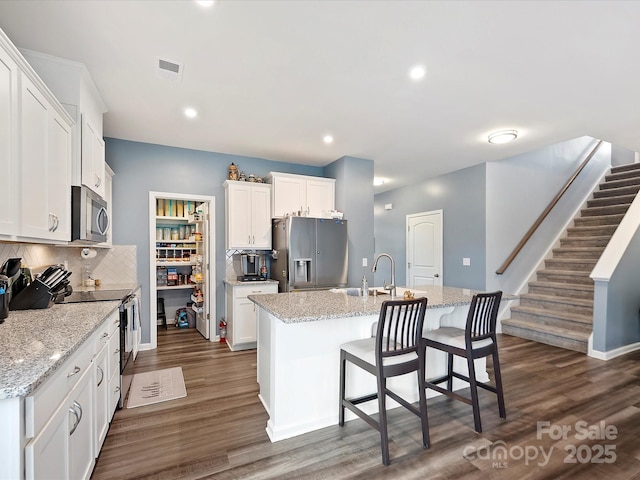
x: 169, y: 69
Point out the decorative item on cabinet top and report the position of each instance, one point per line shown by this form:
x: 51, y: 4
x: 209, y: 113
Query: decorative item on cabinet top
x: 235, y: 174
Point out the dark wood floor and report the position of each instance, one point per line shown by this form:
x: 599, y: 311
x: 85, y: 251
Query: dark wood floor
x: 218, y: 430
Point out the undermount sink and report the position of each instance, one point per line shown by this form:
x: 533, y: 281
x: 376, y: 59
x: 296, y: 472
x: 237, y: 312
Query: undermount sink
x: 357, y: 292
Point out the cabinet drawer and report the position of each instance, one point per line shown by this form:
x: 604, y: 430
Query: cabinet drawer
x: 41, y: 405
x: 244, y: 292
x: 104, y: 332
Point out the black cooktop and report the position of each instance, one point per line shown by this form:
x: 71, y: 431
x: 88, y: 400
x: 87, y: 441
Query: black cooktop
x: 96, y: 296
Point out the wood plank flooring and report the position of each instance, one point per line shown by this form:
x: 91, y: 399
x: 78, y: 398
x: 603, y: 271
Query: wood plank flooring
x: 218, y: 430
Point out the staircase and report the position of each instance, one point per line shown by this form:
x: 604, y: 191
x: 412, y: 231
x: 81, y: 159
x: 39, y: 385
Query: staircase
x: 558, y: 310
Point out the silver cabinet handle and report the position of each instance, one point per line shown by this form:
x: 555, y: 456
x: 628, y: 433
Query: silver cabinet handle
x: 105, y: 335
x: 116, y: 321
x: 75, y: 425
x: 101, y: 375
x: 75, y: 371
x: 56, y: 222
x: 117, y: 350
x: 79, y: 407
x: 116, y: 390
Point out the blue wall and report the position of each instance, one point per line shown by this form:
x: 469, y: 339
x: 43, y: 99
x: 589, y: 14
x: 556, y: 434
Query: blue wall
x: 354, y: 197
x: 461, y: 196
x: 140, y: 168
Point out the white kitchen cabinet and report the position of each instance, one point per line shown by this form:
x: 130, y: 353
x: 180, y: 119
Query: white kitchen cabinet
x: 45, y: 156
x: 310, y: 196
x: 8, y: 142
x: 73, y: 86
x: 35, y: 149
x: 60, y: 421
x: 248, y: 215
x: 241, y: 315
x: 101, y: 400
x: 93, y: 164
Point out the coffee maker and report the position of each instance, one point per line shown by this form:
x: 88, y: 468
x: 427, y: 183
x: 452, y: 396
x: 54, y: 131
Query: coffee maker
x: 250, y: 267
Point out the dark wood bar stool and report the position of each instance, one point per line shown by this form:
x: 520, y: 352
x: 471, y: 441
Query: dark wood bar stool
x: 395, y: 350
x: 477, y: 340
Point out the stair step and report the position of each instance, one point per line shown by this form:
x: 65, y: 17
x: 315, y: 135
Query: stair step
x: 626, y: 167
x: 565, y: 276
x: 593, y: 220
x: 555, y: 303
x: 555, y: 318
x: 625, y: 182
x: 573, y: 264
x: 620, y: 175
x: 562, y: 289
x: 592, y: 230
x: 578, y: 252
x: 614, y: 192
x: 594, y: 241
x: 558, y: 337
x: 605, y: 210
x: 612, y: 200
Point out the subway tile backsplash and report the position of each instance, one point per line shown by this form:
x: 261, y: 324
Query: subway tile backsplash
x: 115, y: 265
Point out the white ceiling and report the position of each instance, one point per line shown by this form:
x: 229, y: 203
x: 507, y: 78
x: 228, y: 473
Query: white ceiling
x: 271, y: 78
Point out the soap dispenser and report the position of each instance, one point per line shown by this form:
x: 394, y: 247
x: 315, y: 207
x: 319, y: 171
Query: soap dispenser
x: 365, y: 286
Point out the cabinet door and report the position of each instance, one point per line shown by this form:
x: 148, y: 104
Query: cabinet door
x: 8, y: 147
x: 34, y: 196
x: 92, y: 158
x: 81, y: 419
x: 261, y: 218
x: 101, y: 399
x: 59, y: 185
x: 289, y: 195
x: 244, y: 325
x: 320, y: 198
x: 47, y: 455
x: 239, y: 216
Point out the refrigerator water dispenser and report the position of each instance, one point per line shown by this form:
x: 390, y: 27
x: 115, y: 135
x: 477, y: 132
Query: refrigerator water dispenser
x: 302, y: 271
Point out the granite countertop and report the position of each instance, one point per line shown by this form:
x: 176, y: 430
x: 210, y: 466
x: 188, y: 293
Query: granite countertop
x: 235, y: 283
x: 34, y: 343
x: 309, y: 306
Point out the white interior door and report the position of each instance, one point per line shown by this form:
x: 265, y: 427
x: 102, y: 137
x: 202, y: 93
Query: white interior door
x: 424, y: 249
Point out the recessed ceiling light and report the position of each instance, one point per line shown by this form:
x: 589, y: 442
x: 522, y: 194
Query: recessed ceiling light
x: 205, y: 3
x: 190, y: 112
x: 327, y: 139
x: 377, y: 181
x: 503, y: 136
x: 417, y: 72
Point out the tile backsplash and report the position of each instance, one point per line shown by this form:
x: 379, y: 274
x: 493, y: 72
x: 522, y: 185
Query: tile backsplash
x: 113, y: 265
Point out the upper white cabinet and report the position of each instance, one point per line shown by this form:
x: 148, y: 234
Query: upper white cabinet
x: 8, y: 142
x: 72, y: 84
x: 35, y: 154
x: 93, y: 165
x: 248, y: 215
x: 301, y: 194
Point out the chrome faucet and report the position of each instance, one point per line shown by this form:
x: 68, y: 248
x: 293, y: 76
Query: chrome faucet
x: 392, y: 286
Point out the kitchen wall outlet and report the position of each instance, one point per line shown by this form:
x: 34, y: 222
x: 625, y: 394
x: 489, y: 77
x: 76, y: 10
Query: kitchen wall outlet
x: 466, y: 261
x: 364, y: 262
x: 388, y: 206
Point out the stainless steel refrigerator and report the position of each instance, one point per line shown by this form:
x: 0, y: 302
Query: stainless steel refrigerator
x: 309, y: 253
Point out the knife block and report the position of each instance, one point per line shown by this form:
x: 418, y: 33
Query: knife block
x: 36, y: 295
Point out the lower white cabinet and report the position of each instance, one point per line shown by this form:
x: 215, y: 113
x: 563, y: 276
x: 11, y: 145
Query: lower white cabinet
x: 64, y: 447
x: 242, y: 315
x: 67, y: 418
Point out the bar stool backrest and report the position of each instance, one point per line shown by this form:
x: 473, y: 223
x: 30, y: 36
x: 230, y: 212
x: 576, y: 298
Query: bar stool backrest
x: 400, y: 327
x: 482, y: 316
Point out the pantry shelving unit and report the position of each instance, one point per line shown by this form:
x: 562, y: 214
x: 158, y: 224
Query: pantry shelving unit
x: 181, y: 240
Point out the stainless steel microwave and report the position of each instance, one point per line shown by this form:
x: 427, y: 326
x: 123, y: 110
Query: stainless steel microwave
x: 89, y: 217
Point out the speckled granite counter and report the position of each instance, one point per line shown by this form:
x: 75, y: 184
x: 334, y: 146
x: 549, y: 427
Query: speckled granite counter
x: 297, y: 307
x: 34, y: 343
x: 235, y: 283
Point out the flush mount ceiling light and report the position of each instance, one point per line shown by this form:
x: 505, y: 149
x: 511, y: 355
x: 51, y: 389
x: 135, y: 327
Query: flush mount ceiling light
x: 417, y: 72
x: 377, y: 181
x: 190, y: 112
x: 327, y: 139
x: 503, y: 136
x: 205, y: 3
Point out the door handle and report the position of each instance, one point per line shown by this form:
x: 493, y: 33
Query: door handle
x: 436, y: 275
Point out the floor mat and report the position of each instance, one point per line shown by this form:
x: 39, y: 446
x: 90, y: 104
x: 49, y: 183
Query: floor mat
x: 156, y: 386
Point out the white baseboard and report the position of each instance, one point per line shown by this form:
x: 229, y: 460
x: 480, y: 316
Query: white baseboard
x: 616, y: 352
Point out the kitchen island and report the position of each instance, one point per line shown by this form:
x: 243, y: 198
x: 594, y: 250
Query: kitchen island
x: 299, y: 338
